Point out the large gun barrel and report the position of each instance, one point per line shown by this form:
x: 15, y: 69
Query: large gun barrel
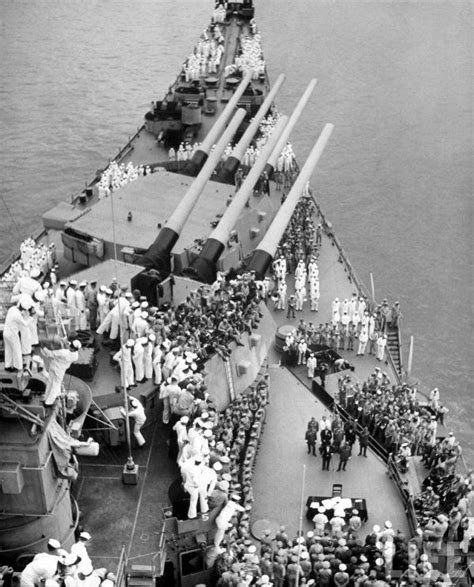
x: 204, y: 266
x: 158, y: 255
x: 272, y: 161
x: 199, y: 158
x: 232, y: 163
x: 264, y: 253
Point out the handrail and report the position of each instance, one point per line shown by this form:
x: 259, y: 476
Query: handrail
x: 406, y: 497
x: 121, y: 566
x: 361, y: 287
x: 399, y: 334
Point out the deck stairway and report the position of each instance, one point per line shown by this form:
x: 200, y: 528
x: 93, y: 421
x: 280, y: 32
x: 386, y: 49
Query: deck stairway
x: 393, y: 345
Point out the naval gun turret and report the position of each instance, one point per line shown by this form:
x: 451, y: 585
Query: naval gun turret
x: 158, y: 255
x: 204, y: 266
x: 232, y: 163
x: 194, y: 166
x: 263, y: 255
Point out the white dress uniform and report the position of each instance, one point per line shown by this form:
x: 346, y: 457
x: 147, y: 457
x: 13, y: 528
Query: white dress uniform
x: 124, y: 357
x: 381, y: 344
x: 71, y: 297
x: 282, y: 287
x: 81, y: 319
x: 41, y: 567
x: 148, y: 359
x: 314, y: 294
x: 138, y: 414
x: 363, y: 338
x: 300, y: 293
x: 15, y: 321
x: 195, y: 485
x: 224, y: 518
x: 302, y: 348
x: 60, y: 361
x: 139, y: 359
x: 157, y: 357
x: 311, y: 364
x: 26, y: 285
x: 101, y: 306
x: 320, y: 520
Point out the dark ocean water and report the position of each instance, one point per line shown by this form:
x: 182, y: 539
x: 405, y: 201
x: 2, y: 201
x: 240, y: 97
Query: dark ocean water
x: 396, y: 179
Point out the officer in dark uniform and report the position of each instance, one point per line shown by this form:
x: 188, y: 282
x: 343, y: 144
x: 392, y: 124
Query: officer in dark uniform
x: 326, y: 451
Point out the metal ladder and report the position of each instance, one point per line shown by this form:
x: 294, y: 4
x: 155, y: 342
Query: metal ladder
x: 229, y: 377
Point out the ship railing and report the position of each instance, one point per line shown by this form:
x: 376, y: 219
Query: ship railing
x: 35, y: 236
x: 328, y: 229
x: 121, y: 574
x: 398, y: 375
x: 354, y: 278
x: 399, y: 334
x: 124, y: 151
x: 404, y: 493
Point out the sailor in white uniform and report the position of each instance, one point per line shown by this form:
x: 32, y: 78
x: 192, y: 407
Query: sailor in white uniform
x: 320, y: 520
x: 124, y: 357
x: 59, y: 362
x: 302, y: 349
x: 81, y: 319
x: 223, y: 519
x: 148, y: 359
x: 102, y: 309
x: 157, y: 358
x: 314, y: 293
x: 282, y: 287
x: 139, y: 359
x: 137, y: 412
x: 381, y: 344
x: 16, y: 319
x: 79, y: 548
x: 311, y: 365
x: 71, y: 293
x: 39, y: 570
x: 27, y: 284
x: 363, y: 338
x: 195, y: 485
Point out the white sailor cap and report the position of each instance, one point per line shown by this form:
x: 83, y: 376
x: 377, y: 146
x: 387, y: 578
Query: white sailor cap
x: 53, y: 543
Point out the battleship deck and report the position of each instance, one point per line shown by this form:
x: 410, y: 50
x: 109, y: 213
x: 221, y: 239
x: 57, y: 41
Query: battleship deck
x: 151, y: 200
x: 278, y: 476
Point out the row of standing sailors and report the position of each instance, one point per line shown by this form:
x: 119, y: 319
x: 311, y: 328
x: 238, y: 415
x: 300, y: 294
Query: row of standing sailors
x: 116, y: 176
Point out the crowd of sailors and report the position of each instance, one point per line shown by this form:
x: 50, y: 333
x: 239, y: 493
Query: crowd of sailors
x: 250, y: 57
x: 56, y: 567
x: 207, y: 54
x: 116, y: 176
x: 216, y: 451
x: 333, y: 554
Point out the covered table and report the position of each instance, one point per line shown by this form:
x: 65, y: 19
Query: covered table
x: 348, y: 503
